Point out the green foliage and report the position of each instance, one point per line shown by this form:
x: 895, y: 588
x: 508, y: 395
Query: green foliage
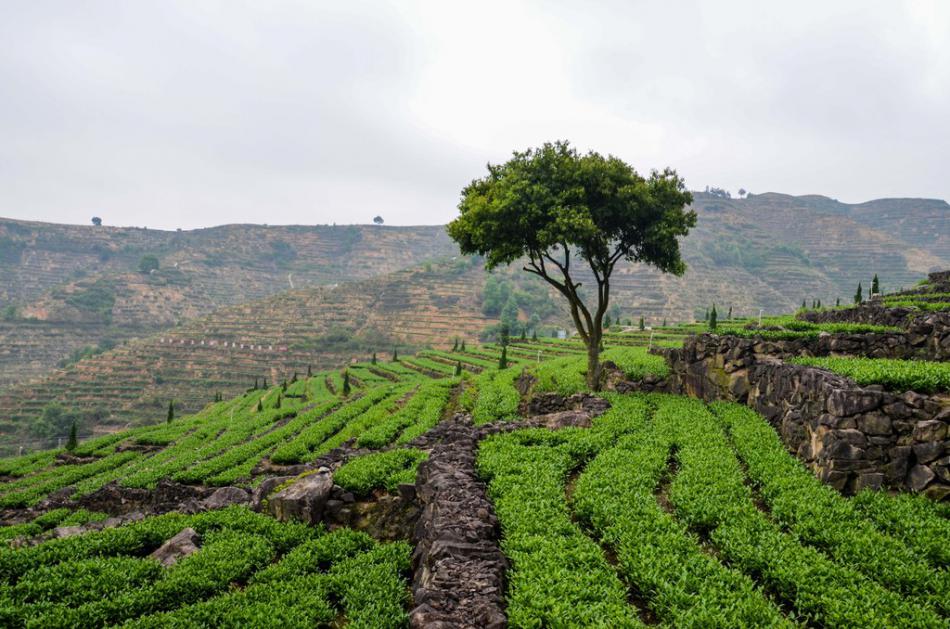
x: 713, y: 319
x: 346, y: 383
x: 97, y: 299
x: 503, y: 359
x: 917, y: 375
x: 148, y: 263
x: 73, y: 441
x: 858, y: 297
x: 494, y: 396
x: 384, y: 470
x: 171, y: 412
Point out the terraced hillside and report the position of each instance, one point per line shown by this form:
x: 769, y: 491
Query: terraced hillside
x: 273, y: 338
x: 65, y: 289
x: 621, y: 510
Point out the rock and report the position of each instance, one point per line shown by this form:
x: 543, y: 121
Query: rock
x: 182, y: 545
x: 847, y: 402
x: 918, y: 477
x: 869, y: 480
x: 407, y: 491
x: 937, y: 492
x: 304, y: 500
x: 927, y: 452
x: 930, y: 430
x: 264, y: 489
x: 874, y: 424
x: 225, y: 497
x: 61, y: 532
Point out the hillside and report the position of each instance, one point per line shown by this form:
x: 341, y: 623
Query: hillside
x: 769, y: 252
x: 310, y: 505
x: 65, y: 288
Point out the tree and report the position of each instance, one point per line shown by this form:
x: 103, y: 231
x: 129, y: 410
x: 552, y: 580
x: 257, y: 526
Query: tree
x: 260, y: 405
x: 503, y: 359
x: 553, y: 205
x: 462, y: 347
x: 395, y: 356
x: 875, y: 286
x: 858, y: 298
x: 729, y: 315
x: 72, y: 442
x: 524, y: 333
x: 294, y: 378
x: 643, y: 325
x: 534, y: 334
x: 606, y: 321
x: 148, y: 263
x: 309, y: 372
x: 712, y: 318
x: 373, y: 361
x: 255, y: 384
x: 96, y: 221
x: 837, y: 302
x: 458, y: 368
x: 171, y: 412
x: 503, y: 336
x: 742, y: 192
x: 378, y: 220
x: 664, y: 323
x: 803, y: 305
x: 455, y: 346
x: 346, y: 382
x: 279, y: 401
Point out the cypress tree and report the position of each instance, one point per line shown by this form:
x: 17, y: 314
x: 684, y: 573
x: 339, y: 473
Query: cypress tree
x: 455, y: 346
x: 72, y: 442
x: 706, y: 316
x: 277, y: 403
x: 265, y: 383
x: 283, y: 385
x: 837, y: 302
x: 463, y: 345
x: 294, y: 379
x: 606, y: 321
x: 534, y: 335
x: 803, y: 304
x: 712, y: 318
x: 875, y: 286
x: 395, y: 356
x: 346, y: 383
x: 458, y: 368
x: 643, y: 325
x: 171, y: 412
x: 255, y: 384
x: 309, y: 372
x: 729, y: 316
x: 260, y: 405
x: 373, y: 360
x: 503, y: 337
x: 858, y: 298
x: 524, y: 333
x: 819, y: 304
x: 503, y: 360
x: 664, y: 323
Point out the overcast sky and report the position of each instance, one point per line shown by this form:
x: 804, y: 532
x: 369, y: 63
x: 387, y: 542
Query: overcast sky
x: 185, y: 114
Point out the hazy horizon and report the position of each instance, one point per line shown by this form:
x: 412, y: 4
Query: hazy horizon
x: 182, y: 115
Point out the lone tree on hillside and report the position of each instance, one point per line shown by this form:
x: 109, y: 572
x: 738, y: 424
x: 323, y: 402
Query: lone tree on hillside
x: 552, y: 204
x: 171, y: 412
x: 875, y: 285
x: 96, y: 221
x: 378, y: 220
x: 148, y: 263
x: 73, y: 441
x: 858, y: 298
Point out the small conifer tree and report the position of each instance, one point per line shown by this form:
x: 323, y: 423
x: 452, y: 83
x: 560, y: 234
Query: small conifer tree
x: 278, y: 402
x: 283, y: 385
x: 534, y: 335
x: 373, y: 360
x: 607, y: 320
x: 395, y: 356
x: 294, y: 378
x: 664, y: 323
x: 346, y: 383
x: 455, y: 346
x: 524, y: 333
x: 503, y: 359
x: 706, y: 316
x: 803, y: 304
x: 712, y: 318
x: 309, y: 371
x: 72, y: 442
x: 818, y: 305
x: 260, y: 405
x: 458, y: 368
x: 643, y: 324
x: 837, y: 302
x: 875, y: 286
x: 171, y: 412
x: 858, y: 296
x: 265, y: 383
x: 255, y: 384
x: 729, y: 315
x: 463, y: 345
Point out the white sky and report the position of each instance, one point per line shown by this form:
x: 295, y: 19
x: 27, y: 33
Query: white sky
x: 192, y: 113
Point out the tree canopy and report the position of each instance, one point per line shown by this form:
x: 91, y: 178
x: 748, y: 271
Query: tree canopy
x: 550, y: 204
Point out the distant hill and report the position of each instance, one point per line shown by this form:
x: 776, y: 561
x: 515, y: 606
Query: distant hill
x: 72, y: 291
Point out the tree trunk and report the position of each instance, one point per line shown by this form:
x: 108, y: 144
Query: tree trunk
x: 594, y: 368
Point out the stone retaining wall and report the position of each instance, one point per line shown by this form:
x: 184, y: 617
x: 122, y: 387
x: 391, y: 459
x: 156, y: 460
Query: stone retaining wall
x: 926, y: 336
x: 852, y: 437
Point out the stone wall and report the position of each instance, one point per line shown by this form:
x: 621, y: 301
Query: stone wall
x: 852, y: 437
x: 926, y: 336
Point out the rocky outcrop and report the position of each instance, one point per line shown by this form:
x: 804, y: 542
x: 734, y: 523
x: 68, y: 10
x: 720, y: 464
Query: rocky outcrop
x: 458, y: 567
x: 853, y: 437
x: 304, y: 499
x: 116, y: 499
x: 180, y: 546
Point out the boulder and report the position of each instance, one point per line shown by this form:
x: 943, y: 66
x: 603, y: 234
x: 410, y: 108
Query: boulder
x: 919, y: 476
x: 304, y: 500
x: 930, y: 430
x: 264, y: 489
x: 68, y: 531
x: 225, y: 497
x: 183, y: 544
